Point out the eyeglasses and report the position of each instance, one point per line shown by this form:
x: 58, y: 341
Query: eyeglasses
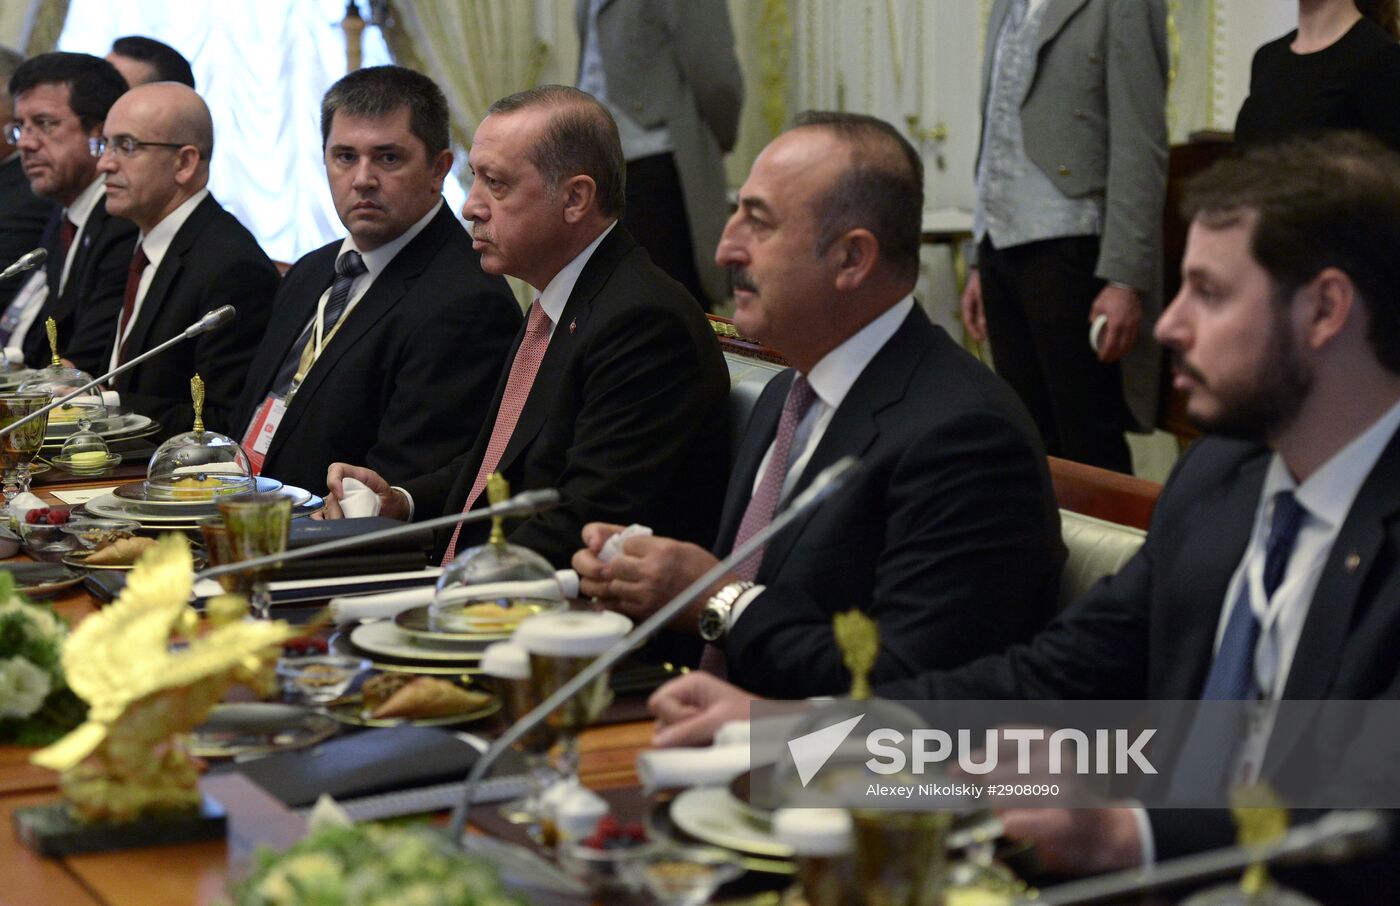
x: 43, y: 125
x: 125, y: 145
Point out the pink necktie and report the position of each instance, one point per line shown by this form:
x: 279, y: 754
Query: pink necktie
x: 764, y: 502
x: 522, y: 376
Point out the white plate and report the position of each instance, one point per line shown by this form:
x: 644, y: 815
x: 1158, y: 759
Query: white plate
x: 110, y: 426
x: 113, y: 507
x: 712, y: 814
x: 383, y: 637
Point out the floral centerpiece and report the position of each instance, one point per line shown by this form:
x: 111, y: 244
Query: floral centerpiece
x: 36, y: 705
x: 370, y: 865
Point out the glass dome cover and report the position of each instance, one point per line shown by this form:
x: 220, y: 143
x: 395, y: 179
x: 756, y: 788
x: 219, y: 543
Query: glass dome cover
x: 198, y: 464
x: 85, y: 452
x: 492, y: 587
x: 61, y: 380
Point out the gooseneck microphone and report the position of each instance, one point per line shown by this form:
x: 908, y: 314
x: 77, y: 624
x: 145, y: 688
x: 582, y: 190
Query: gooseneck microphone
x: 27, y: 261
x: 211, y: 321
x: 823, y: 486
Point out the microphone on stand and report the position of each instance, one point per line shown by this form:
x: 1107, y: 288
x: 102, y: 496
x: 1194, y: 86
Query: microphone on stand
x: 827, y: 482
x: 27, y: 261
x: 211, y: 321
x: 1337, y: 836
x: 522, y: 504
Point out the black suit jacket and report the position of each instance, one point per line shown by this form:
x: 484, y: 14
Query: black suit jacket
x: 87, y: 310
x: 403, y: 385
x: 626, y: 417
x: 23, y: 216
x: 212, y: 261
x: 948, y: 536
x: 1149, y: 631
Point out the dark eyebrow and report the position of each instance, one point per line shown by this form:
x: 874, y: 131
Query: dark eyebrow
x: 754, y: 203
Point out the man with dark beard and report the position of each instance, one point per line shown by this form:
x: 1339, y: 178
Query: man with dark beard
x: 1270, y: 569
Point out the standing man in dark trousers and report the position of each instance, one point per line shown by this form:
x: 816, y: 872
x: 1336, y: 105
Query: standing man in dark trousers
x: 1071, y: 174
x: 666, y: 71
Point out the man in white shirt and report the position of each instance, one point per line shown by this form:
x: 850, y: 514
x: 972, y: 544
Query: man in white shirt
x: 61, y: 101
x: 823, y: 254
x: 1269, y: 571
x: 192, y: 257
x: 22, y: 213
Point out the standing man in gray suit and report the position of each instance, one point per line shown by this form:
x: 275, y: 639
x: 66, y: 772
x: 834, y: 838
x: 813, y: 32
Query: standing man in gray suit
x: 667, y: 72
x: 1071, y: 173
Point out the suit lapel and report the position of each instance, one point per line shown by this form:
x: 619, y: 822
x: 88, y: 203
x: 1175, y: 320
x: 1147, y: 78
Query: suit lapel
x: 171, y: 264
x: 1056, y: 15
x: 573, y: 323
x: 1330, y: 614
x: 856, y: 423
x: 1200, y: 573
x: 376, y: 304
x: 83, y: 245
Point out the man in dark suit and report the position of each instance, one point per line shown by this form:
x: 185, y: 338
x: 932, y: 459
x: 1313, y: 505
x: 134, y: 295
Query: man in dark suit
x: 22, y: 213
x: 398, y: 372
x: 616, y: 391
x: 141, y: 59
x: 823, y: 253
x: 191, y: 258
x: 61, y: 100
x: 1286, y: 337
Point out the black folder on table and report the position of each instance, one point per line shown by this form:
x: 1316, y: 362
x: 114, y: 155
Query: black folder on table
x: 401, y: 554
x: 383, y: 773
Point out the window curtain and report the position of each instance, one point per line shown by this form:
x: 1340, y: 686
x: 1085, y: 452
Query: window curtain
x: 476, y: 50
x: 32, y: 26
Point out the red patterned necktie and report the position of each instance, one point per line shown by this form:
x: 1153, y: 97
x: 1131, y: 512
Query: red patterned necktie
x: 66, y: 232
x: 133, y: 284
x: 522, y: 376
x: 764, y: 502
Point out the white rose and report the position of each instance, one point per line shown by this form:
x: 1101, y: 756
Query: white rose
x: 23, y: 687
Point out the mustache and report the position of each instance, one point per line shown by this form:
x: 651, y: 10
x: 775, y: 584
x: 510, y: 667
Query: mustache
x: 480, y: 234
x: 1180, y: 364
x: 739, y: 278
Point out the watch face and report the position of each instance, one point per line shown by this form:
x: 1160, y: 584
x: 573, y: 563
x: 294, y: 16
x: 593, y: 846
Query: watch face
x: 711, y: 623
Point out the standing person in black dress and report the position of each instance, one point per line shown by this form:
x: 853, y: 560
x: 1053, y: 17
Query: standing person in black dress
x: 1339, y: 70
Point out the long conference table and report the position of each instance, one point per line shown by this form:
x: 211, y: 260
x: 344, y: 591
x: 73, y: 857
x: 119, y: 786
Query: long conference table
x: 196, y: 874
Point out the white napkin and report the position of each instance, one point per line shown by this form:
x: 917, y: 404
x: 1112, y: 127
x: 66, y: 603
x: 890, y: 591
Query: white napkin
x: 668, y: 769
x: 390, y: 604
x: 359, y: 500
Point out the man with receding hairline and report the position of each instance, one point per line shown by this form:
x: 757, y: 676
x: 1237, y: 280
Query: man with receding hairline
x: 191, y: 258
x: 947, y: 537
x: 615, y: 391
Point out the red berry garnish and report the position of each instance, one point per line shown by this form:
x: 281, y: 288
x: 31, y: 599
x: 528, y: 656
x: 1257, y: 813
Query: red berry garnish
x: 32, y: 517
x: 635, y: 832
x: 57, y: 516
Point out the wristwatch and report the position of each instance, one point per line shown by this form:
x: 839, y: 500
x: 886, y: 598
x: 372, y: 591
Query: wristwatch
x: 714, y: 616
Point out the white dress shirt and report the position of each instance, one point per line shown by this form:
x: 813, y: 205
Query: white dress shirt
x: 80, y: 211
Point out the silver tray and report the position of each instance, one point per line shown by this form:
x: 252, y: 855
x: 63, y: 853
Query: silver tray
x: 136, y: 493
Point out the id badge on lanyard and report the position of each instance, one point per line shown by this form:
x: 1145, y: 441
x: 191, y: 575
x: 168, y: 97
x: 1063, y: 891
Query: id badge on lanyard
x: 264, y: 425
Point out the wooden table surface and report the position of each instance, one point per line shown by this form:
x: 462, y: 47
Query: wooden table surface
x: 195, y: 874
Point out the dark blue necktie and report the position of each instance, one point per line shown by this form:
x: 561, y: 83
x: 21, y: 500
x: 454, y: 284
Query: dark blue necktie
x: 347, y: 267
x: 1212, y: 745
x: 1232, y: 672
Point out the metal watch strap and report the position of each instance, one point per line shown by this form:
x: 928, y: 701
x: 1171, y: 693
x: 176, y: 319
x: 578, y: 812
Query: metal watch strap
x: 714, y: 619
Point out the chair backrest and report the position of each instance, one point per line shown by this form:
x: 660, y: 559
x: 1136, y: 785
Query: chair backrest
x: 1102, y: 494
x: 747, y: 378
x: 1097, y: 548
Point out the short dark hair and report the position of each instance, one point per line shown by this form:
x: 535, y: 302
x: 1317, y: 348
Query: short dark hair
x: 882, y: 190
x: 170, y: 65
x: 379, y: 91
x: 581, y: 138
x: 93, y: 84
x: 1327, y: 201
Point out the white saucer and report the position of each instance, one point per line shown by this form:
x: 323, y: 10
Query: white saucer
x: 383, y: 637
x: 712, y: 814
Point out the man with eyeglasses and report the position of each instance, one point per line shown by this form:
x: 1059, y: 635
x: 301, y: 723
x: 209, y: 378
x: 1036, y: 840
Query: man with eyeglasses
x: 191, y: 258
x: 22, y: 213
x: 61, y: 101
